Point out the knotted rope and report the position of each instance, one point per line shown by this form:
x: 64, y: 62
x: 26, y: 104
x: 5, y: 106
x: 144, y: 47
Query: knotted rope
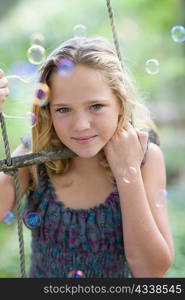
x: 17, y: 194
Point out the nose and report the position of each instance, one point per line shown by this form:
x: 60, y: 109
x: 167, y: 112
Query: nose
x: 81, y: 123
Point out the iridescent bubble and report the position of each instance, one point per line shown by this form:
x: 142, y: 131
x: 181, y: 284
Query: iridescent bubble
x: 152, y: 66
x: 13, y: 117
x: 32, y: 118
x: 130, y: 175
x: 76, y: 274
x: 22, y: 69
x: 23, y: 79
x: 65, y: 66
x: 178, y: 33
x: 36, y: 54
x: 79, y: 30
x: 37, y: 39
x: 9, y: 217
x: 41, y: 94
x: 161, y: 198
x: 32, y: 219
x: 21, y: 72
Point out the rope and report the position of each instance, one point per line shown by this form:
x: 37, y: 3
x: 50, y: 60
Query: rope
x: 18, y: 197
x: 20, y: 225
x: 5, y: 140
x: 35, y: 158
x: 113, y: 27
x: 115, y: 38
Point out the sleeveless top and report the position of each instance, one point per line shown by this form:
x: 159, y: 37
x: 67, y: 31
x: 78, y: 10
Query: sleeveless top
x: 67, y: 239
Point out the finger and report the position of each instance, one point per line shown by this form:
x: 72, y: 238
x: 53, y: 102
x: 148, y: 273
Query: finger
x: 128, y: 127
x: 4, y: 92
x: 1, y: 104
x: 143, y: 138
x: 141, y: 132
x: 3, y: 82
x: 1, y: 73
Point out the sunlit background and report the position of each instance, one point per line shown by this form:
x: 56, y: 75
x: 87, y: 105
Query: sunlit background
x: 152, y: 40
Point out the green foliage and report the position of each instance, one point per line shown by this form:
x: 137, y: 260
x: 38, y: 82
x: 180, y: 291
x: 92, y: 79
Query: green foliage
x: 177, y: 222
x: 9, y: 254
x: 173, y: 147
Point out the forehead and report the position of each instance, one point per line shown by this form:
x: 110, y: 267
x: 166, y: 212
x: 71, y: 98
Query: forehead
x: 82, y: 81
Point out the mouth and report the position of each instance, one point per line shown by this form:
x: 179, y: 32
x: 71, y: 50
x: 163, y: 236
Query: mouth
x: 83, y: 140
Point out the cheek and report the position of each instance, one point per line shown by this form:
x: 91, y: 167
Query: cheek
x: 58, y: 126
x: 109, y: 119
x: 107, y: 124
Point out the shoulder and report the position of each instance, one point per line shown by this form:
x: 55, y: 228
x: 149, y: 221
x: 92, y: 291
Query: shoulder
x: 154, y: 155
x: 154, y: 170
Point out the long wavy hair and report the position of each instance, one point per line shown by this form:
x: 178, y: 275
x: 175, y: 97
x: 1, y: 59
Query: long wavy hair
x: 99, y: 54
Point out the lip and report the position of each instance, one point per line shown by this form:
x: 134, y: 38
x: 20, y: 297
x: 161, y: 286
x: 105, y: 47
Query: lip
x: 83, y: 138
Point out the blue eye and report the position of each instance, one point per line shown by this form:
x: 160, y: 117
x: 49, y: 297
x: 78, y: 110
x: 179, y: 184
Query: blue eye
x: 63, y: 110
x: 97, y: 106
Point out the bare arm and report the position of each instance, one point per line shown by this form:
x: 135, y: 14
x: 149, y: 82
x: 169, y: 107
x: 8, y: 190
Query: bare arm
x: 147, y: 237
x: 7, y: 185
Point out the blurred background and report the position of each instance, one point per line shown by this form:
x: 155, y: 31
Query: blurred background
x: 151, y: 35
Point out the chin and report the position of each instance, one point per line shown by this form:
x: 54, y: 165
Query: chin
x: 87, y: 153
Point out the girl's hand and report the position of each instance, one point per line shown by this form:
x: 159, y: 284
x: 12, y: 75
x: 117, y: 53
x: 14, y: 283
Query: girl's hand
x: 126, y: 149
x: 4, y: 90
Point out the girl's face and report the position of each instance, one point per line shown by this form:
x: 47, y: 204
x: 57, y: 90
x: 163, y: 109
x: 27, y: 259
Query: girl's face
x: 83, y: 105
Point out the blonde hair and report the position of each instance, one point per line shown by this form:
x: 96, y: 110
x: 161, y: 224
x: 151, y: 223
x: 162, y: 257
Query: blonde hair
x: 97, y: 53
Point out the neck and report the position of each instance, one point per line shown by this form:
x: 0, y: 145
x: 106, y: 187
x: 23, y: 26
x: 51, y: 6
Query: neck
x: 85, y: 167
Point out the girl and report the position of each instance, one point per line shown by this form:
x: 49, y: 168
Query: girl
x: 100, y: 210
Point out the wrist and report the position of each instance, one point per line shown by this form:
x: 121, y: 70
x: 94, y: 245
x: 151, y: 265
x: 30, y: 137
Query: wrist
x: 128, y: 174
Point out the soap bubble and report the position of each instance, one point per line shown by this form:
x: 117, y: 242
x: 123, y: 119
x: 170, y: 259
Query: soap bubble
x: 31, y: 219
x: 152, y: 66
x: 32, y: 119
x: 9, y: 217
x: 65, y: 66
x: 129, y: 175
x: 79, y: 30
x: 178, y: 33
x: 19, y: 91
x: 22, y: 69
x: 76, y: 274
x: 161, y: 198
x: 12, y: 117
x: 41, y: 94
x: 36, y: 54
x: 37, y: 39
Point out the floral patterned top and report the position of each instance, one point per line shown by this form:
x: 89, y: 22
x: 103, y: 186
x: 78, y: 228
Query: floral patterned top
x: 66, y: 240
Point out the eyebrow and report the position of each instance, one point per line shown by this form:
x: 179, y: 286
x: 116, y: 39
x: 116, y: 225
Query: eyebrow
x: 87, y: 102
